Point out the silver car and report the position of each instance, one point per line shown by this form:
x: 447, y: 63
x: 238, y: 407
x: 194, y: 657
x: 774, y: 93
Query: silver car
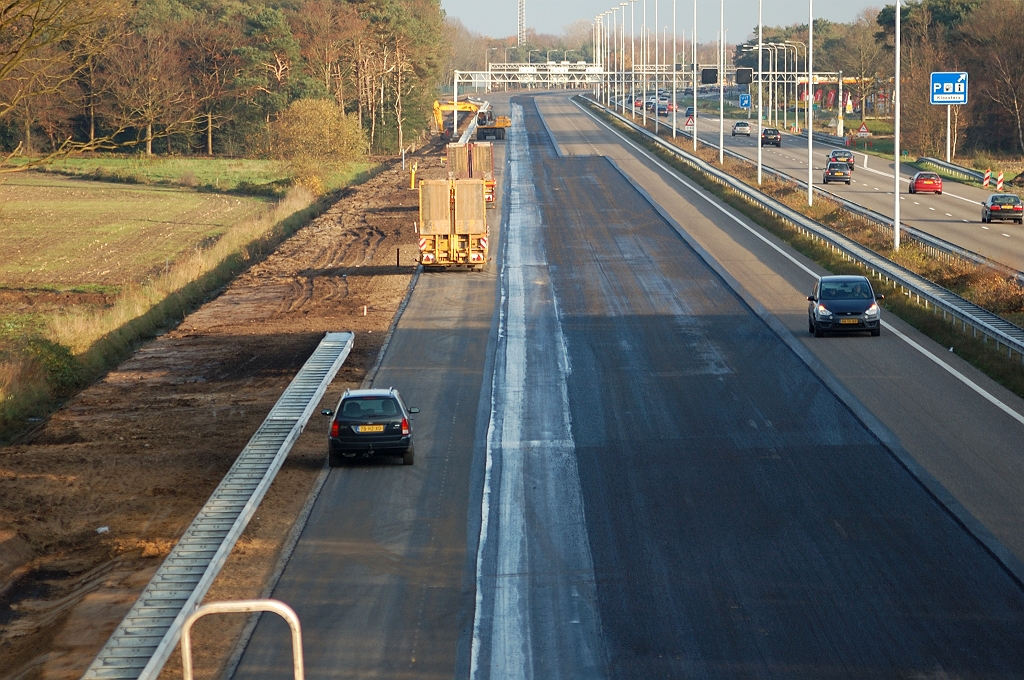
x: 741, y: 128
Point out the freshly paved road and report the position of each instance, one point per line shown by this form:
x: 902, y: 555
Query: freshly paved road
x: 624, y: 471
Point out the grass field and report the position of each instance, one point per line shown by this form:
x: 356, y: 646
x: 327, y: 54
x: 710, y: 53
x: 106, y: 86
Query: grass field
x: 65, y: 234
x: 88, y: 268
x: 211, y: 174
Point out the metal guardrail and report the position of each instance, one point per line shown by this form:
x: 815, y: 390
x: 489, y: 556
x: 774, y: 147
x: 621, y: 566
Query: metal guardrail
x: 145, y: 638
x: 824, y: 138
x: 954, y: 169
x: 990, y: 325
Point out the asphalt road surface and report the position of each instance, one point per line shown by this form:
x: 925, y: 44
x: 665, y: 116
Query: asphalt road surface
x: 626, y: 470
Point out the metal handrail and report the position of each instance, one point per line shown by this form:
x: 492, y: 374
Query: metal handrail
x: 244, y: 607
x: 989, y: 324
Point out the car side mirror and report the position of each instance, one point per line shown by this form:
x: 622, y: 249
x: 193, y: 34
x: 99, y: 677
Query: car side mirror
x: 811, y: 298
x: 414, y: 410
x: 879, y: 297
x: 327, y: 412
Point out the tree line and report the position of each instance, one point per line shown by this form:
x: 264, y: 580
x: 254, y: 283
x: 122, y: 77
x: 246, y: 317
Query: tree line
x: 212, y: 76
x: 982, y: 37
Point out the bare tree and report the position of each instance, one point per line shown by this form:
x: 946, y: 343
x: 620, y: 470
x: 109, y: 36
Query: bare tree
x: 148, y: 85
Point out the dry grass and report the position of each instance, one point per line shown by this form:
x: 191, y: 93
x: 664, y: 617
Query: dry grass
x: 79, y: 329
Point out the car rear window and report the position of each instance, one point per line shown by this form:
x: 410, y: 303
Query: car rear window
x: 928, y: 175
x: 361, y: 408
x: 845, y: 290
x: 1006, y: 200
x: 838, y: 166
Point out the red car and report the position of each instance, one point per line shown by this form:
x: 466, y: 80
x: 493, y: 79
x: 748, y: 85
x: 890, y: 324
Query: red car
x: 926, y: 181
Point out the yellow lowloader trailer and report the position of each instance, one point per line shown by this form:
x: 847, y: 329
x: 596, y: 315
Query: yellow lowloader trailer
x: 453, y: 229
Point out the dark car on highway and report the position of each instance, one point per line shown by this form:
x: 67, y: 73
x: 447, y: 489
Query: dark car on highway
x: 370, y: 423
x: 1002, y: 207
x: 837, y: 172
x: 771, y: 136
x: 925, y: 181
x: 841, y: 156
x: 843, y: 304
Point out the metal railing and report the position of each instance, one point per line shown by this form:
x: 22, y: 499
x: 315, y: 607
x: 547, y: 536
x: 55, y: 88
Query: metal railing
x: 989, y: 325
x: 145, y: 638
x: 954, y: 169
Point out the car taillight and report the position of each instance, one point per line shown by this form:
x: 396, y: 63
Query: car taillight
x: 334, y: 428
x: 405, y: 426
x: 1018, y: 207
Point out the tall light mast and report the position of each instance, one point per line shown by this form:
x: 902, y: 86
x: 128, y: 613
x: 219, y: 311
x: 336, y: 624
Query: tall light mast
x: 522, y: 22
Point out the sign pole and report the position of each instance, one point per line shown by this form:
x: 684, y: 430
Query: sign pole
x: 948, y: 108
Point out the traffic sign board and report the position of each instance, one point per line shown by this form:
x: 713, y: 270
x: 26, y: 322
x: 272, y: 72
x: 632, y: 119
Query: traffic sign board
x: 689, y: 122
x: 863, y: 131
x: 744, y: 101
x: 949, y: 87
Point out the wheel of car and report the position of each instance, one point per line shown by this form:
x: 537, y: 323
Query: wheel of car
x: 983, y: 218
x: 847, y: 183
x: 408, y: 458
x: 876, y: 332
x: 335, y: 460
x: 818, y: 333
x: 938, y: 193
x: 911, y: 189
x: 810, y: 325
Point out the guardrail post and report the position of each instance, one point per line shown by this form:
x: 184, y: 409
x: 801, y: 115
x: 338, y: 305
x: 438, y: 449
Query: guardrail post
x: 243, y: 606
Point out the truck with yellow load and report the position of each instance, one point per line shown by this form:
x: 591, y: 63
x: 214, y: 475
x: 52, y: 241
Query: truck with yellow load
x: 453, y: 228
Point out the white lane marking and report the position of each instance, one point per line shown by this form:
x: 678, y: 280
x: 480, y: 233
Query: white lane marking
x: 541, y: 452
x: 930, y: 208
x: 1006, y: 235
x: 710, y: 200
x: 915, y: 202
x: 947, y: 214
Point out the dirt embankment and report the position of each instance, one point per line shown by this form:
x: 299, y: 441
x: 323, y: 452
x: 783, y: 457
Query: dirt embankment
x: 96, y: 498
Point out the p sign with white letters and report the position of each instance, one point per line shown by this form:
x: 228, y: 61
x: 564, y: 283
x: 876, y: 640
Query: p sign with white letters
x: 949, y: 87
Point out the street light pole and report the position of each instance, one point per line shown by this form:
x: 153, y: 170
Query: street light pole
x: 810, y: 102
x: 632, y: 58
x: 721, y: 82
x: 760, y: 88
x: 643, y: 65
x: 622, y: 58
x: 657, y: 98
x: 694, y: 133
x: 796, y: 85
x: 675, y: 51
x: 896, y: 142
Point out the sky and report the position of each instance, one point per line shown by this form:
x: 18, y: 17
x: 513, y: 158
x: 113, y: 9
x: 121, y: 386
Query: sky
x: 497, y: 18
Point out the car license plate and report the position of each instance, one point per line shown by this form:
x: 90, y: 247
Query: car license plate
x: 370, y: 428
x: 848, y: 321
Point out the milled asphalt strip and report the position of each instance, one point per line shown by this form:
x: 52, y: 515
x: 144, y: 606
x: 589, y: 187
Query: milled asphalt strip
x: 952, y: 371
x: 521, y: 445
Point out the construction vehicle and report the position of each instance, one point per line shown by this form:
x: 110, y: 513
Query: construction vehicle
x: 444, y: 122
x: 453, y: 227
x: 474, y: 161
x: 490, y: 126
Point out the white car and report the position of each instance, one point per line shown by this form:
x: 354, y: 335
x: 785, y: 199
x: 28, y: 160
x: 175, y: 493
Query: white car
x: 741, y: 128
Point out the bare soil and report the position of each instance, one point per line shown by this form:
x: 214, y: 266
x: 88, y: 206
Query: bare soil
x: 94, y: 500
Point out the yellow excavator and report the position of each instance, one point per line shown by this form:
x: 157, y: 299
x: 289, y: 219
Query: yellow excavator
x: 443, y: 122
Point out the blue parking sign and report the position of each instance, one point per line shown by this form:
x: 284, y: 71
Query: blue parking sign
x: 744, y: 101
x: 949, y: 87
